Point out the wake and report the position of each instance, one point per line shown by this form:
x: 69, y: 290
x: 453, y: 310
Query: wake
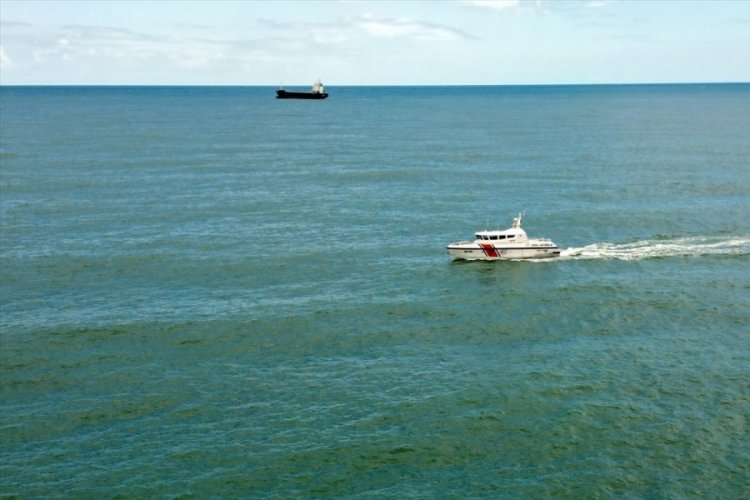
x: 656, y: 248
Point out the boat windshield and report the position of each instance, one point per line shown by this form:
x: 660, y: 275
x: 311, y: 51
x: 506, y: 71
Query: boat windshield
x: 493, y: 237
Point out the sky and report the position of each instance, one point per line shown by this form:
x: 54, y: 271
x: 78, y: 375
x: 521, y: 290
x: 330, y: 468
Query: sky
x: 385, y: 42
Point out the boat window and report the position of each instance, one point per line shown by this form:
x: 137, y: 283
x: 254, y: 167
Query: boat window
x: 501, y: 237
x: 493, y: 237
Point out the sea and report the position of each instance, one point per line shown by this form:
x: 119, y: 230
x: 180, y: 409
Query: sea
x: 206, y: 292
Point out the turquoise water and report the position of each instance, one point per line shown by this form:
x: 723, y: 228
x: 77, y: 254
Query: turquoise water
x: 209, y: 292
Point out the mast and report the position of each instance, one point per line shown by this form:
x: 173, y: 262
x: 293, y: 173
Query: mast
x: 517, y: 221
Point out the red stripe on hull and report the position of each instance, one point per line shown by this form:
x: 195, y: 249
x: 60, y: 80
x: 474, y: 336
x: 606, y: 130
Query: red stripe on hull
x: 489, y: 250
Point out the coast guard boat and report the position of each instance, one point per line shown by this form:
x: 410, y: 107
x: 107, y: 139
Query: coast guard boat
x: 504, y: 244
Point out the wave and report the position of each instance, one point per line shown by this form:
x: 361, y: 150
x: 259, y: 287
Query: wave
x: 660, y: 247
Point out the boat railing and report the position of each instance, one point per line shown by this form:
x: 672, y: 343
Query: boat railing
x: 541, y: 240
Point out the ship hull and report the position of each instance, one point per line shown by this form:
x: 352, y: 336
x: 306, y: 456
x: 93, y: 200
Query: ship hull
x: 473, y: 251
x: 283, y: 94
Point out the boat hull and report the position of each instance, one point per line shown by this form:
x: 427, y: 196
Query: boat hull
x: 473, y: 251
x: 283, y: 94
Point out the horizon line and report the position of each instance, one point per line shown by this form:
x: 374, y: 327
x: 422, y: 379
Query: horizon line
x: 399, y: 85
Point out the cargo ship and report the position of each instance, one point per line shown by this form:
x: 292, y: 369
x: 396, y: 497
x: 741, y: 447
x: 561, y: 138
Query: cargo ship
x: 317, y: 92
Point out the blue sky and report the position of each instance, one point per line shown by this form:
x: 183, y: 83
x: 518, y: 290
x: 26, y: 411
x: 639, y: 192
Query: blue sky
x: 350, y: 42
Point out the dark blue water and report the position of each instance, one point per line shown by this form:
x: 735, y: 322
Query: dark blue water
x: 209, y: 292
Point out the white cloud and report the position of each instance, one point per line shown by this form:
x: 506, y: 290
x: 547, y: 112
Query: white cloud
x: 496, y: 4
x: 597, y: 4
x: 104, y: 54
x: 406, y: 29
x: 367, y: 26
x: 5, y: 60
x: 123, y: 45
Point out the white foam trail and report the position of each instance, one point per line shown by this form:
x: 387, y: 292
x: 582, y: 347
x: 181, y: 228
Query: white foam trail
x: 649, y: 249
